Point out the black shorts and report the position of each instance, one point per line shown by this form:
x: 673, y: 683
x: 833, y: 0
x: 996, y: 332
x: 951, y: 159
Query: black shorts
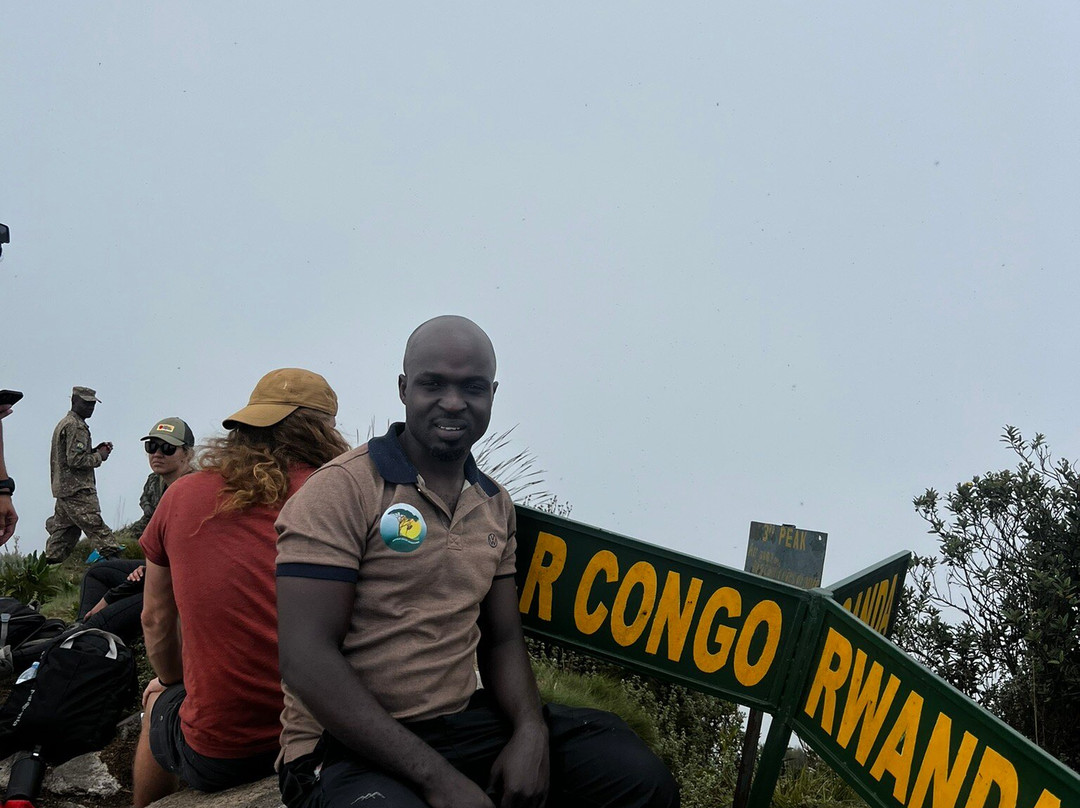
x: 171, y: 751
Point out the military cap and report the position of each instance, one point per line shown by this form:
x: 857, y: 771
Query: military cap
x: 85, y: 393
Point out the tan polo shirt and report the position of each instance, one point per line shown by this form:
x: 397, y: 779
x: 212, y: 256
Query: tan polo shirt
x: 420, y: 574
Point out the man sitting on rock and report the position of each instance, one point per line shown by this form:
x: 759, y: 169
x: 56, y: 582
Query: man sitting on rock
x: 395, y: 572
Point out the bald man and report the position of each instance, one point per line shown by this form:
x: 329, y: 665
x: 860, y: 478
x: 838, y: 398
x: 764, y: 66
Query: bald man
x: 395, y: 572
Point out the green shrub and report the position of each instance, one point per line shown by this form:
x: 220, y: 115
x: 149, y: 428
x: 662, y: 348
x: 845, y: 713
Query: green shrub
x: 697, y: 736
x: 814, y: 786
x: 996, y: 611
x: 28, y: 577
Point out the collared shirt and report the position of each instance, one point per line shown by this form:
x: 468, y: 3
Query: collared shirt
x: 72, y: 460
x: 419, y: 570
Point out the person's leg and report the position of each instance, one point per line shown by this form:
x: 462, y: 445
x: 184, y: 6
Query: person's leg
x: 100, y: 578
x: 470, y: 741
x: 122, y: 618
x: 85, y: 511
x: 596, y: 759
x: 346, y: 784
x: 150, y: 780
x: 63, y: 534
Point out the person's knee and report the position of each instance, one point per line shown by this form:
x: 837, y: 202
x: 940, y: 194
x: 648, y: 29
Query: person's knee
x: 657, y: 785
x: 149, y: 697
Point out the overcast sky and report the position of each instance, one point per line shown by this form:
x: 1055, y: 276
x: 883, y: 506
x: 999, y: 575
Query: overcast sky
x: 781, y: 262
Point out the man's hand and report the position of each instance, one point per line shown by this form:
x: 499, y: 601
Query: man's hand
x: 104, y: 449
x: 137, y: 573
x: 458, y: 791
x: 521, y: 771
x: 8, y: 518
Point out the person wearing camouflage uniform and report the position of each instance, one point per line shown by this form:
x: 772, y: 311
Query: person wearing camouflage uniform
x: 72, y: 463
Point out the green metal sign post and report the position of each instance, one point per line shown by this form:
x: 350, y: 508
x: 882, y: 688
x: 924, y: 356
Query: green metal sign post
x: 903, y: 737
x: 794, y: 556
x: 898, y: 734
x: 717, y: 630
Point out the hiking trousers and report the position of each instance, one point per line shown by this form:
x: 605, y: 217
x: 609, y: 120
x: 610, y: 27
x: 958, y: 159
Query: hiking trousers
x: 596, y: 760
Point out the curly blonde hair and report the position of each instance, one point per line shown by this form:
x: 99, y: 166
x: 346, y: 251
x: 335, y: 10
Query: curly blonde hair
x: 254, y: 461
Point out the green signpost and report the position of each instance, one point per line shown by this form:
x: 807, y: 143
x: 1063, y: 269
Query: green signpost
x: 903, y: 737
x: 898, y: 734
x: 786, y: 553
x: 873, y: 595
x: 717, y: 630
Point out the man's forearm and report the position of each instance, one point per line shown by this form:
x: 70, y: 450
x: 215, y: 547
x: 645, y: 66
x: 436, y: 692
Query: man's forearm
x: 84, y: 458
x: 3, y: 468
x: 340, y: 702
x: 507, y: 675
x: 164, y: 647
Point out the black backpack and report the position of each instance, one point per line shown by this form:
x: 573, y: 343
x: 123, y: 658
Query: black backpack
x: 85, y: 681
x: 24, y: 632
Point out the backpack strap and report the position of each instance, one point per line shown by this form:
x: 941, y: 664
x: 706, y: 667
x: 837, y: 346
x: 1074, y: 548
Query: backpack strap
x: 111, y: 638
x: 5, y: 618
x: 50, y: 627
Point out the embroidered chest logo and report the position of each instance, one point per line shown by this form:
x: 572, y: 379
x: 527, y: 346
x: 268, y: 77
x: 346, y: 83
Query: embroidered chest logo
x: 492, y: 541
x: 402, y: 528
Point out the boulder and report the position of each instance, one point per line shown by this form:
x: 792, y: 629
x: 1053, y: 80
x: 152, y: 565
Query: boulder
x: 260, y: 794
x: 84, y: 775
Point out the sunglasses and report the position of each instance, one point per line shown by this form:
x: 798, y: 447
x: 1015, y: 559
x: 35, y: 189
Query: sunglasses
x: 166, y: 449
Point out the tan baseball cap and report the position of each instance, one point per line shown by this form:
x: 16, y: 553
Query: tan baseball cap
x: 85, y: 393
x: 171, y: 430
x: 280, y: 393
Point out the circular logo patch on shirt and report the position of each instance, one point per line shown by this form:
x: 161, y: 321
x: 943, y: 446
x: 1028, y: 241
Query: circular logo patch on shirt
x: 402, y: 528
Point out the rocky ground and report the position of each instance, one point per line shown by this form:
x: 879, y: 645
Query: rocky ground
x: 103, y: 780
x: 98, y: 780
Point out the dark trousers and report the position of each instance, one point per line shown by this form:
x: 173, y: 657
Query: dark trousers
x: 122, y: 617
x: 596, y: 760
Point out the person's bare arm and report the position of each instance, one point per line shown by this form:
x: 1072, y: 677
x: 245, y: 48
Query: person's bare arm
x: 313, y: 618
x: 521, y: 772
x: 161, y: 625
x: 8, y: 516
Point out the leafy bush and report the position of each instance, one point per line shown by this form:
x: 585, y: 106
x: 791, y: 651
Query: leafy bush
x: 997, y: 611
x: 28, y: 577
x: 697, y: 736
x: 814, y: 786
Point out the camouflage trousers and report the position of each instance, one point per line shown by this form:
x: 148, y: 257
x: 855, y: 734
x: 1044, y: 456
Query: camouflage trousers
x: 80, y: 513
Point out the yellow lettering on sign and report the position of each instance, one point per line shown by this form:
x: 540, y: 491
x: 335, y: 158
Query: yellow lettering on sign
x: 866, y: 702
x: 674, y: 616
x: 994, y: 770
x: 832, y: 671
x: 641, y: 574
x: 874, y: 604
x: 898, y: 752
x: 883, y: 623
x: 1047, y: 800
x: 730, y: 601
x: 542, y: 576
x: 935, y: 766
x: 589, y: 622
x: 865, y: 607
x: 766, y: 613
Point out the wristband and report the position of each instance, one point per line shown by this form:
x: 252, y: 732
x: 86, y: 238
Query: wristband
x: 7, y: 486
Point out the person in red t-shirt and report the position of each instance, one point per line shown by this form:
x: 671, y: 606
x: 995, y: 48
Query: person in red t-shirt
x: 211, y: 717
